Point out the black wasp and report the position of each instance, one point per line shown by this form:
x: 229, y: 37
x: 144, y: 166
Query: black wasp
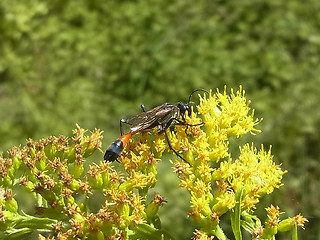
x: 160, y: 117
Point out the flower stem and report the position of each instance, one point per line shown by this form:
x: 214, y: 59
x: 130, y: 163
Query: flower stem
x: 235, y: 215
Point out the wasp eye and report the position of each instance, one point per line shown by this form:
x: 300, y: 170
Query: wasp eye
x: 187, y: 109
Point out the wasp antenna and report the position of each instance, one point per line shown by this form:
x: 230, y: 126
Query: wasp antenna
x: 194, y: 91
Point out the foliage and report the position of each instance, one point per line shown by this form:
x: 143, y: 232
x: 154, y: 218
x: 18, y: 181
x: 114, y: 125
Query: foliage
x: 52, y: 173
x: 93, y: 62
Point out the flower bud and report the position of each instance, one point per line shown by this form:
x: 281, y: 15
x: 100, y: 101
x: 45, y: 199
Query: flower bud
x: 97, y: 181
x: 10, y: 205
x: 49, y: 195
x: 77, y: 170
x: 6, y: 181
x: 152, y: 210
x: 69, y: 201
x: 269, y: 232
x: 41, y: 164
x: 16, y: 162
x: 286, y: 225
x: 74, y: 185
x: 99, y: 235
x: 106, y: 178
x: 11, y: 172
x: 188, y: 156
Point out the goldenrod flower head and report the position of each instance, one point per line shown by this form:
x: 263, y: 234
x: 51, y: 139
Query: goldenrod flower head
x: 230, y: 113
x: 137, y: 203
x: 215, y: 217
x: 254, y: 170
x: 299, y: 220
x: 160, y: 144
x: 158, y: 199
x: 201, y: 188
x: 257, y: 232
x: 187, y: 183
x: 273, y: 216
x: 54, y: 172
x: 138, y: 154
x: 221, y: 116
x: 141, y: 180
x: 205, y: 173
x: 181, y: 168
x: 200, y: 235
x: 224, y: 202
x: 153, y: 207
x: 200, y: 204
x: 289, y: 223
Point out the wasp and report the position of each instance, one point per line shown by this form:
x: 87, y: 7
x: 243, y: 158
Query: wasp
x: 161, y: 117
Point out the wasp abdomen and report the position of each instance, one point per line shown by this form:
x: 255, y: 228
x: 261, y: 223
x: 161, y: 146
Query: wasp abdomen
x: 114, y: 151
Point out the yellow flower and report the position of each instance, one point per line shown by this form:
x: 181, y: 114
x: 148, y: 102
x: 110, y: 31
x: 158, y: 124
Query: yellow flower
x: 257, y: 232
x: 205, y: 171
x: 225, y: 116
x: 299, y: 220
x: 200, y: 204
x: 199, y: 235
x: 289, y: 223
x: 225, y: 201
x: 254, y: 170
x: 136, y: 201
x: 187, y: 183
x: 159, y: 143
x: 273, y: 216
x: 140, y: 180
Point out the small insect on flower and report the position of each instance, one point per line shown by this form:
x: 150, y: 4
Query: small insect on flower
x: 161, y: 117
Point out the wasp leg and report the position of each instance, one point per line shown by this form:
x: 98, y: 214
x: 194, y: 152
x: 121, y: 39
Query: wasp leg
x: 121, y: 128
x: 143, y: 108
x: 171, y: 148
x: 187, y: 124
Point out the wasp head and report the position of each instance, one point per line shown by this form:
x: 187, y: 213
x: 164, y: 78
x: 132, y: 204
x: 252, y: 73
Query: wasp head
x: 183, y: 107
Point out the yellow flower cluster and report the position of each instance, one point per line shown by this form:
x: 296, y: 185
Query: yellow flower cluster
x: 217, y: 182
x: 205, y: 149
x: 254, y: 170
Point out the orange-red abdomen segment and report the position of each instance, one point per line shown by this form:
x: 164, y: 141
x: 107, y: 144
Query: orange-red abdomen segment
x: 116, y: 148
x: 125, y: 138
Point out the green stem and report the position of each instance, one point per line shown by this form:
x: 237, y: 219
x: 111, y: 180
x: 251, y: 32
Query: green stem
x: 295, y: 233
x: 235, y: 215
x: 145, y: 231
x: 220, y: 234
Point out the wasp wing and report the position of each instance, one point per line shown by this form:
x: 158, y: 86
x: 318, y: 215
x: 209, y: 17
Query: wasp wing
x: 157, y: 116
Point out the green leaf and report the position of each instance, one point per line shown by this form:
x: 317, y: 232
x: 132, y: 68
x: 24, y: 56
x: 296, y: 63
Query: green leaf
x: 145, y: 231
x: 15, y: 234
x: 250, y: 222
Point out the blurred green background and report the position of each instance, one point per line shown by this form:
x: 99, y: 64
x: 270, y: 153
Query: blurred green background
x: 64, y: 62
